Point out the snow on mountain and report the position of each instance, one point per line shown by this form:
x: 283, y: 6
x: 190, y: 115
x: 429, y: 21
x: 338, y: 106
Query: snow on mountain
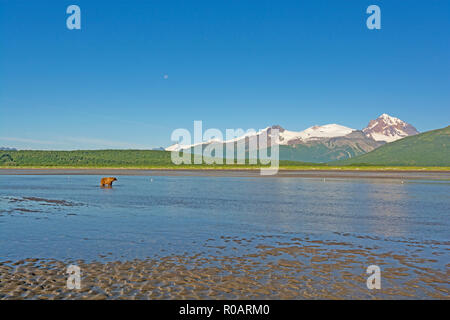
x: 313, y: 133
x: 178, y: 147
x: 285, y: 137
x: 326, y: 131
x: 388, y: 129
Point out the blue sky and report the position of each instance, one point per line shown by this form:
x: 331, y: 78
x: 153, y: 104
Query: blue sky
x: 232, y: 64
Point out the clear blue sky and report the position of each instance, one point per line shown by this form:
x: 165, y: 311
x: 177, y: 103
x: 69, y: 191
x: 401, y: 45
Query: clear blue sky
x: 233, y: 64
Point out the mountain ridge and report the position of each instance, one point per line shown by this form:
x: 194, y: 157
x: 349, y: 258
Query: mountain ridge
x: 322, y: 143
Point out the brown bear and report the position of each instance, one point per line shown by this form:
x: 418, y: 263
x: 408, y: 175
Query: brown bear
x: 107, y: 181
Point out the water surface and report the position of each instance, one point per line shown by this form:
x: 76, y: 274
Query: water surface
x: 140, y: 216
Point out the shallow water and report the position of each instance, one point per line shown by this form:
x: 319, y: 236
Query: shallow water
x: 70, y: 217
x: 140, y: 216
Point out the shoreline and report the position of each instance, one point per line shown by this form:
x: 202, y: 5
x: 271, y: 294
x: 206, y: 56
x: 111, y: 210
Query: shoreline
x: 251, y: 173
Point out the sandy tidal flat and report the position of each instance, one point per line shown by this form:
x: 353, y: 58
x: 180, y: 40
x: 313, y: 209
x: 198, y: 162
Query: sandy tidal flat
x: 298, y: 269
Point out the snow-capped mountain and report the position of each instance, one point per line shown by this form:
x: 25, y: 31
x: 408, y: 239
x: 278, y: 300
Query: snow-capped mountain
x: 285, y: 137
x: 323, y: 143
x: 388, y: 129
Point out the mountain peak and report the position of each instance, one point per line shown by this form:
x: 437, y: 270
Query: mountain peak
x: 389, y: 119
x: 387, y: 128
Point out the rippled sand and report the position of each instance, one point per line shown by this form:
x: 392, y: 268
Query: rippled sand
x: 295, y: 269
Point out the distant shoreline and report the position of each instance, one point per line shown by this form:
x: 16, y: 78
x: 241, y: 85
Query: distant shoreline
x: 407, y: 174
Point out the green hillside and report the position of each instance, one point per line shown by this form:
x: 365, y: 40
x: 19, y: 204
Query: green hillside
x: 326, y: 150
x: 84, y: 158
x: 315, y: 151
x: 98, y: 159
x: 431, y: 148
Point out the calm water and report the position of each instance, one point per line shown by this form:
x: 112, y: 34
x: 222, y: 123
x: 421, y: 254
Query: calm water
x: 146, y: 216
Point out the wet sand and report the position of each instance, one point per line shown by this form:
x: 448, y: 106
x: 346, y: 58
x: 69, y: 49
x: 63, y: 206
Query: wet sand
x: 344, y: 174
x: 297, y: 269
